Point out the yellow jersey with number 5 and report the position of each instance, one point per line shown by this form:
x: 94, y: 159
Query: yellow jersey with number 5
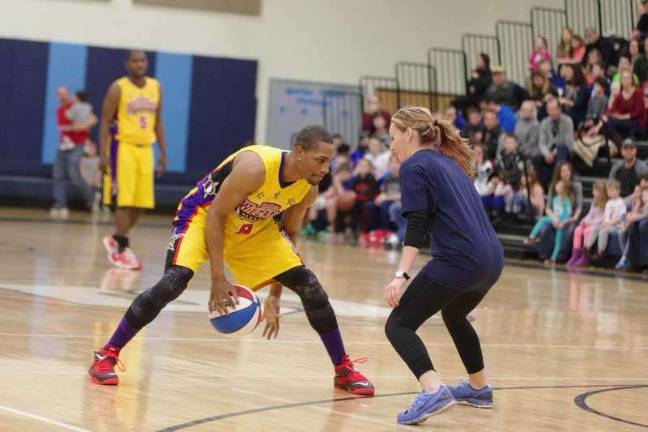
x: 136, y: 112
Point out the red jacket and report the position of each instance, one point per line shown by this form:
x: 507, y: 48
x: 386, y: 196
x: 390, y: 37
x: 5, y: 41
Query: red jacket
x: 633, y: 106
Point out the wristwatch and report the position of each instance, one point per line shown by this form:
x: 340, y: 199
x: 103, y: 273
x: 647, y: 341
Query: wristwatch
x: 400, y: 274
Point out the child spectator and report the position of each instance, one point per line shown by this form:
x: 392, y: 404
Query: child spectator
x: 89, y: 167
x: 639, y: 212
x: 472, y: 129
x: 535, y: 205
x: 587, y: 231
x: 378, y: 157
x: 509, y: 163
x: 560, y: 211
x: 483, y: 170
x: 613, y: 216
x: 389, y: 193
x: 539, y: 54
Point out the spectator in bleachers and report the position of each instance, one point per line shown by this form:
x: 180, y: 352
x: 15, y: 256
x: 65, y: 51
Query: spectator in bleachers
x: 380, y: 130
x: 556, y: 141
x: 504, y: 91
x: 596, y: 72
x: 74, y: 119
x: 360, y: 151
x: 480, y: 79
x: 640, y: 65
x: 378, y: 156
x: 633, y: 51
x: 638, y: 213
x: 576, y: 96
x: 637, y: 246
x: 389, y: 194
x: 472, y: 128
x: 559, y: 212
x: 555, y: 79
x: 615, y: 211
x: 641, y: 29
x: 491, y: 134
x: 540, y: 90
x: 564, y: 48
x: 505, y: 114
x: 483, y: 169
x: 527, y: 130
x: 373, y: 109
x: 509, y: 167
x: 587, y: 231
x: 576, y: 53
x: 365, y: 186
x: 598, y: 102
x: 498, y: 195
x: 624, y: 65
x: 533, y: 205
x: 629, y: 171
x: 602, y: 44
x: 627, y: 115
x: 539, y: 54
x: 457, y: 119
x: 593, y: 57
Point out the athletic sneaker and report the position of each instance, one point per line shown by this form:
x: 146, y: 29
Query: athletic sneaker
x: 125, y: 260
x: 466, y: 394
x: 102, y: 371
x: 349, y: 379
x: 427, y: 404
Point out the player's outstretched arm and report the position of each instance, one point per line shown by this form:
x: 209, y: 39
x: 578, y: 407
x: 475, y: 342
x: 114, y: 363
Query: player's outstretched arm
x: 248, y: 174
x: 293, y: 218
x: 107, y: 116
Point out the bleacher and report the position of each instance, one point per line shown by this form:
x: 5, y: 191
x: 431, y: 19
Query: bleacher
x: 445, y: 75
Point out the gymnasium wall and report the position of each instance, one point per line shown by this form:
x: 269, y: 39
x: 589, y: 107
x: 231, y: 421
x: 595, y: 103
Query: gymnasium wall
x: 209, y: 106
x: 311, y: 40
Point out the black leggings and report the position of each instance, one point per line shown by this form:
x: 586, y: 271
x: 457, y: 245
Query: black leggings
x: 423, y: 299
x: 148, y: 304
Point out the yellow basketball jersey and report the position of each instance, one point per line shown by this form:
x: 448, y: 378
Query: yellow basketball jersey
x: 259, y: 208
x: 136, y: 112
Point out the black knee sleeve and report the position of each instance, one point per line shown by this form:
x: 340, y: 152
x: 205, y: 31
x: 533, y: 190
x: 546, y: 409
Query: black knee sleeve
x: 148, y: 304
x: 313, y: 297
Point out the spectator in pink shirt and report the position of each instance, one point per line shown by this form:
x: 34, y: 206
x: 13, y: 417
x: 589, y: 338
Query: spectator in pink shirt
x: 539, y: 53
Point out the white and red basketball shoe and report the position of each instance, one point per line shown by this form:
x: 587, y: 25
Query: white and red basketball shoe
x: 125, y: 260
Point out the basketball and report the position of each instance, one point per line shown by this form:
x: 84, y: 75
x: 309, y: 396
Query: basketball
x: 346, y: 200
x: 243, y: 318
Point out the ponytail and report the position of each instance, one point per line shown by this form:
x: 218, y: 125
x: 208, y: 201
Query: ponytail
x: 455, y: 147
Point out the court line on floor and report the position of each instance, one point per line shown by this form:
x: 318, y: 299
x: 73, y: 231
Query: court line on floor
x: 581, y: 402
x: 42, y: 419
x: 211, y: 419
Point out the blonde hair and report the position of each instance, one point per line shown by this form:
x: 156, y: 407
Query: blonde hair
x: 601, y: 187
x: 439, y: 133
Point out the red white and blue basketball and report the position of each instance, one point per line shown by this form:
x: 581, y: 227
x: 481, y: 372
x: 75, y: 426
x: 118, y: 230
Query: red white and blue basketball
x: 243, y: 317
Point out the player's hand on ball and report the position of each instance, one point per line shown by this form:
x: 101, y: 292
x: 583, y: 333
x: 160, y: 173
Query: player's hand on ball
x: 393, y: 291
x: 271, y: 317
x: 222, y: 295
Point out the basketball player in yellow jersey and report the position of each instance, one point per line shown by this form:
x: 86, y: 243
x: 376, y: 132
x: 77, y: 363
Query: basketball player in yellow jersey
x: 228, y: 219
x: 132, y: 110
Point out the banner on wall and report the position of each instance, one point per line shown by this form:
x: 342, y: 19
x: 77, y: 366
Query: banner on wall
x: 295, y: 104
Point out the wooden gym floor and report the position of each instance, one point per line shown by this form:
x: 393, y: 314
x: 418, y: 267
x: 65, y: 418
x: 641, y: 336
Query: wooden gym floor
x: 564, y: 351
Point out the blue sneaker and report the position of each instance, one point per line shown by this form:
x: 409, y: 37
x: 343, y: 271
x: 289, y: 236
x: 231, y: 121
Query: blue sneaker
x: 425, y: 405
x: 466, y: 394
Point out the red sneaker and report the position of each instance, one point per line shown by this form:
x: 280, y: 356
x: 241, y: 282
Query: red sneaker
x: 102, y: 371
x: 349, y: 379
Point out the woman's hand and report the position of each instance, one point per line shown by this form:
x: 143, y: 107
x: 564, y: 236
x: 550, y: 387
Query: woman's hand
x: 393, y: 291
